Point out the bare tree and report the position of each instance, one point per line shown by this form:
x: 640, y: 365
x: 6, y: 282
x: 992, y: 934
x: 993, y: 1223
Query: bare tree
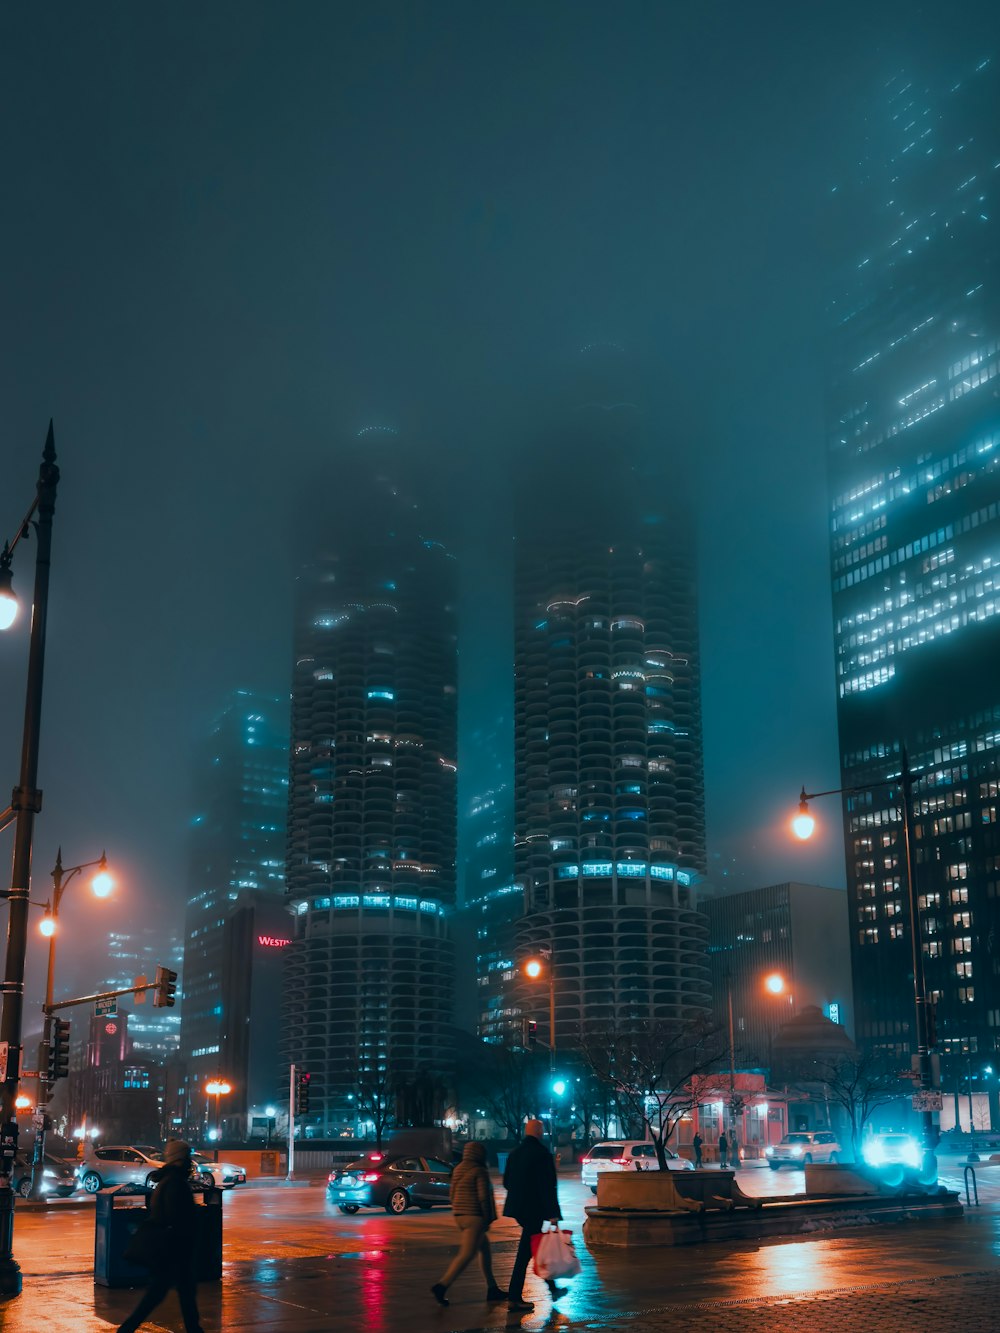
x: 859, y: 1084
x: 376, y: 1101
x: 653, y: 1069
x: 507, y: 1084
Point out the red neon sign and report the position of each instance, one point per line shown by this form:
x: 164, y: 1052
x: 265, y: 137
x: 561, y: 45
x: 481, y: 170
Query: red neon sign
x: 272, y: 941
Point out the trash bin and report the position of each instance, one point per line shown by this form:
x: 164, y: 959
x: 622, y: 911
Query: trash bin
x: 208, y: 1247
x: 119, y: 1211
x: 502, y: 1161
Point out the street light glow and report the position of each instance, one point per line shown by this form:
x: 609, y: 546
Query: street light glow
x: 559, y: 1086
x: 533, y: 969
x: 22, y: 1102
x: 775, y: 983
x: 8, y: 601
x: 804, y: 823
x: 217, y: 1087
x: 47, y: 925
x: 103, y: 882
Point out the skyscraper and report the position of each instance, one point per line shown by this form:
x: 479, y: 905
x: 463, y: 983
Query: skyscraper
x: 609, y: 801
x: 237, y: 843
x: 138, y: 952
x: 914, y: 466
x: 372, y: 808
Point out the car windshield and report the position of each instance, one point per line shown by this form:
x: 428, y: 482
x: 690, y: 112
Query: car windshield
x: 896, y: 1140
x: 796, y: 1138
x: 607, y: 1150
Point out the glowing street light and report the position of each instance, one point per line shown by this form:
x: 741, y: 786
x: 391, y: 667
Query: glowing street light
x: 775, y: 983
x: 804, y: 823
x: 533, y: 968
x: 8, y: 599
x: 22, y: 1102
x: 217, y: 1088
x: 47, y: 925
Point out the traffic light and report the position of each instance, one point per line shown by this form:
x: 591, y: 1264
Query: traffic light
x: 58, y: 1049
x: 529, y: 1033
x: 302, y: 1093
x: 165, y: 994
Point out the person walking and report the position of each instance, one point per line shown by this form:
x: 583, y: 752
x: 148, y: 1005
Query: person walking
x: 172, y: 1220
x: 696, y: 1143
x: 532, y: 1199
x: 723, y: 1150
x: 475, y: 1211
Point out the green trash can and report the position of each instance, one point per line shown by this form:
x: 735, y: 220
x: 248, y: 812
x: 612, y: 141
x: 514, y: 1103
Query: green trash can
x: 119, y: 1210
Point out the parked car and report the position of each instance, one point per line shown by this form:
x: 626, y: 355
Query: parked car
x: 223, y: 1174
x: 58, y: 1176
x: 626, y: 1155
x: 392, y: 1183
x: 802, y: 1147
x: 883, y: 1149
x: 118, y: 1165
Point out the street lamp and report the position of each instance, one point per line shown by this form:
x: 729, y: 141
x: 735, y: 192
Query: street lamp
x: 217, y: 1088
x: 26, y: 802
x: 533, y: 969
x: 101, y: 885
x: 803, y: 825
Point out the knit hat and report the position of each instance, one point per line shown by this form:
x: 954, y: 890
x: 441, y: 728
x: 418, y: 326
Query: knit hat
x: 474, y: 1152
x: 177, y: 1153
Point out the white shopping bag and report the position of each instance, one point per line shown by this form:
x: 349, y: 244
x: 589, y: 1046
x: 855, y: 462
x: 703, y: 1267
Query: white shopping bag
x: 555, y: 1256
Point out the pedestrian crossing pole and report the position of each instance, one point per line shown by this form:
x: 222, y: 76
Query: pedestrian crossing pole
x: 291, y: 1123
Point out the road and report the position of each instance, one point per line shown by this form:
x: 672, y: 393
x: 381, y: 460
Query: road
x: 294, y: 1264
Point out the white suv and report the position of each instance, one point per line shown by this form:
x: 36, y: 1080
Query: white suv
x: 802, y: 1147
x: 626, y: 1155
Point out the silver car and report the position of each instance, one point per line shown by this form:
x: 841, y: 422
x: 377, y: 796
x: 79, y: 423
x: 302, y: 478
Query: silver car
x: 118, y: 1165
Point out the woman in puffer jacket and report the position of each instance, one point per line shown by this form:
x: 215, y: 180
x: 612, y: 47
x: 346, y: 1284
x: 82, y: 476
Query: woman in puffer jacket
x: 475, y: 1210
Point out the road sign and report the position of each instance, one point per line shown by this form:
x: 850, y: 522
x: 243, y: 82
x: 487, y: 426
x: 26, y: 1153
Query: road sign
x: 928, y: 1100
x: 38, y: 1120
x: 106, y: 1008
x: 140, y: 981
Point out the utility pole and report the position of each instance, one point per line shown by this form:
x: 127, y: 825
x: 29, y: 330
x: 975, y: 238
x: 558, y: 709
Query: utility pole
x: 291, y: 1124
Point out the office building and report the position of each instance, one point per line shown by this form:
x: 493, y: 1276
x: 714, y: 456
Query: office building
x: 369, y: 979
x: 237, y: 844
x: 796, y: 932
x: 608, y: 785
x: 155, y: 1032
x: 914, y: 467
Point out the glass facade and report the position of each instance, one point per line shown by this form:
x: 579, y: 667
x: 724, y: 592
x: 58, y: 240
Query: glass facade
x: 915, y: 543
x: 237, y: 844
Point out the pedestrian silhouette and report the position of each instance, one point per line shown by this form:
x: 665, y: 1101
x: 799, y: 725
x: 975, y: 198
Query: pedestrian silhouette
x: 475, y: 1211
x: 532, y: 1199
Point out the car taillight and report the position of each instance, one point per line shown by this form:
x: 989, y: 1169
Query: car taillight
x: 332, y: 1177
x: 371, y: 1177
x: 619, y: 1161
x: 374, y: 1157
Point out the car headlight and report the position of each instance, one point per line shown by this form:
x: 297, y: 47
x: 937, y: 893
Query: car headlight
x: 769, y: 1151
x: 797, y: 1150
x: 874, y: 1154
x: 912, y: 1155
x: 48, y: 1172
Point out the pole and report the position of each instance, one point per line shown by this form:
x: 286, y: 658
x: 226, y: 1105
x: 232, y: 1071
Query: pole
x: 42, y: 1100
x: 972, y: 1122
x: 925, y: 1068
x: 291, y: 1123
x: 26, y: 802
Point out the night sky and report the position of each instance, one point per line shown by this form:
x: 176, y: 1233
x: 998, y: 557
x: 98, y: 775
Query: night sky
x: 234, y: 234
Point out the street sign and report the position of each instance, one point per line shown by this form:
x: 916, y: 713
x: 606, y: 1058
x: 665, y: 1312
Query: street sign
x: 106, y: 1008
x: 140, y: 981
x: 38, y: 1120
x: 4, y: 1049
x: 928, y: 1099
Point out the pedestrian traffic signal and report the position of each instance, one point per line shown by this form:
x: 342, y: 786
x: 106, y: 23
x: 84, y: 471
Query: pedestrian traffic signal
x: 529, y: 1033
x: 302, y: 1094
x: 165, y: 992
x: 58, y: 1049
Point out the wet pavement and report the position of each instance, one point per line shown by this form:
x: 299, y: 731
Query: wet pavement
x: 296, y: 1265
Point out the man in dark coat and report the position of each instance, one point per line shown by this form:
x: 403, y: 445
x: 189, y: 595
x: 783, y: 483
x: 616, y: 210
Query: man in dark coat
x: 172, y: 1214
x: 530, y: 1182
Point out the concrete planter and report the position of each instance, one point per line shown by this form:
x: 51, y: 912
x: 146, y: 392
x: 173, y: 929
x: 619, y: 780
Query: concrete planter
x: 647, y: 1190
x: 833, y: 1179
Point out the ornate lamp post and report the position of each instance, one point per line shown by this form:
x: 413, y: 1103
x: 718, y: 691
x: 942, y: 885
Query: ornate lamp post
x: 26, y: 802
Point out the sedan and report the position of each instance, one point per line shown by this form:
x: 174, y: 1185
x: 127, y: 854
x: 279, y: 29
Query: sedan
x: 392, y: 1183
x: 126, y: 1165
x: 58, y: 1177
x: 222, y: 1174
